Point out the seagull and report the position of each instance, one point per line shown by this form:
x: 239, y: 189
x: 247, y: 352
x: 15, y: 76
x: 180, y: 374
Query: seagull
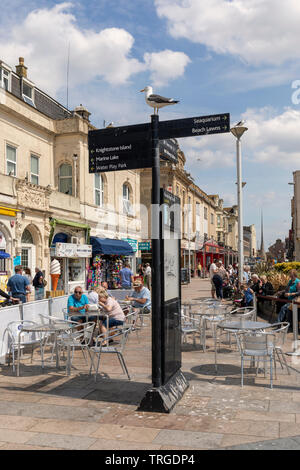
x: 156, y: 101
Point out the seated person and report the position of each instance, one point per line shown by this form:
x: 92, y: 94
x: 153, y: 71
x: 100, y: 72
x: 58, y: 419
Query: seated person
x: 78, y: 303
x: 140, y: 297
x: 247, y: 296
x: 291, y: 291
x: 112, y: 307
x: 266, y: 287
x: 7, y: 296
x: 93, y: 296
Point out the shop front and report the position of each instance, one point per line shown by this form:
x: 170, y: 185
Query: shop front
x: 7, y: 234
x: 74, y: 264
x: 108, y: 258
x: 210, y: 251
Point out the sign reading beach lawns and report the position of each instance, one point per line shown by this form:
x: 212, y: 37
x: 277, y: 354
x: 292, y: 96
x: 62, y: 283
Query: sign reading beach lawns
x: 129, y: 147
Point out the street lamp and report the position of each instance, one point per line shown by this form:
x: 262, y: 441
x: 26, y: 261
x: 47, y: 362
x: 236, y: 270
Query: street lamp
x: 238, y: 130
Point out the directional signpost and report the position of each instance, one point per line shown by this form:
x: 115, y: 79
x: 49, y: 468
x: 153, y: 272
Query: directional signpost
x: 139, y: 146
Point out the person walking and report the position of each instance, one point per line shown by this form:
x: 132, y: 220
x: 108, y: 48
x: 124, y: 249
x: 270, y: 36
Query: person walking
x: 126, y: 276
x: 18, y: 285
x: 148, y: 274
x: 29, y: 277
x: 199, y: 269
x: 38, y: 284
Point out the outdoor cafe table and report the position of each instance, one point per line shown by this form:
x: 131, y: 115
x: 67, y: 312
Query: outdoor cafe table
x: 54, y: 328
x: 241, y: 325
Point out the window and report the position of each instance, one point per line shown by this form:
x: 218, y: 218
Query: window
x: 34, y: 169
x: 28, y: 94
x: 197, y: 208
x: 99, y: 190
x: 212, y: 219
x: 65, y: 180
x: 11, y: 160
x: 4, y: 79
x: 127, y: 209
x: 219, y: 221
x: 27, y: 237
x: 229, y: 228
x: 205, y: 213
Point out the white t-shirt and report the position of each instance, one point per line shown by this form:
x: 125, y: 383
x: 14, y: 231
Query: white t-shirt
x: 93, y: 297
x: 212, y: 270
x: 148, y: 271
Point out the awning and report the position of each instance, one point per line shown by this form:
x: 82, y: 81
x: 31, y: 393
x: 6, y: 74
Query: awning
x: 4, y: 255
x: 108, y: 246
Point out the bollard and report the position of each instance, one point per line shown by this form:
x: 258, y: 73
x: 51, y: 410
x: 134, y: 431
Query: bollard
x: 295, y: 351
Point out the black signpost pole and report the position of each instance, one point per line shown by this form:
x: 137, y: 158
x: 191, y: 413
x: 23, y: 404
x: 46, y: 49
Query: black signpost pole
x: 156, y: 257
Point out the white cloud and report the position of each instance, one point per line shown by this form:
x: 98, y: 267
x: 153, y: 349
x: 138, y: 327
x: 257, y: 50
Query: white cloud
x: 166, y: 65
x: 45, y: 35
x: 271, y: 139
x: 257, y: 31
x: 43, y: 40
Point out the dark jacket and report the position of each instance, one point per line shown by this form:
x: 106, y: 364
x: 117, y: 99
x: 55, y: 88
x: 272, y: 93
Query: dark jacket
x: 37, y: 281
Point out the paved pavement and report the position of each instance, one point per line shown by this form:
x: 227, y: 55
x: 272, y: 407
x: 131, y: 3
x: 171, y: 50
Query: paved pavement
x: 52, y: 411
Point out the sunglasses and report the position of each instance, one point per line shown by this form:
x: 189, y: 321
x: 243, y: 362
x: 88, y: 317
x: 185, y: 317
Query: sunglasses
x: 78, y: 291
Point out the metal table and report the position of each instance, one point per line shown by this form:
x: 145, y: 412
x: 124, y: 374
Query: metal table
x: 54, y: 328
x: 241, y: 325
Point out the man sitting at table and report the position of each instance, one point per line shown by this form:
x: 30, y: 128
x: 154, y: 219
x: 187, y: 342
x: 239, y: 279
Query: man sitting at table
x: 140, y: 297
x: 78, y: 303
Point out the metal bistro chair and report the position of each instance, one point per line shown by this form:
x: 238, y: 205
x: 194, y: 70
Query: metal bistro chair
x: 259, y: 345
x: 280, y: 332
x: 77, y: 338
x: 14, y: 330
x: 213, y: 314
x: 188, y: 326
x: 131, y: 321
x: 241, y: 313
x: 122, y: 335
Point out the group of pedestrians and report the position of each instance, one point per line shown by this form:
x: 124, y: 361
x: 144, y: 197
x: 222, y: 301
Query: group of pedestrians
x: 19, y: 286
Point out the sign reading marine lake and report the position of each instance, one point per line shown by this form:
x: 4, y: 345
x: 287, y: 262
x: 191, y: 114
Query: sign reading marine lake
x: 129, y: 147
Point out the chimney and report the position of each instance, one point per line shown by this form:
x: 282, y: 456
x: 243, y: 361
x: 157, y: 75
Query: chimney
x: 83, y: 112
x: 21, y: 70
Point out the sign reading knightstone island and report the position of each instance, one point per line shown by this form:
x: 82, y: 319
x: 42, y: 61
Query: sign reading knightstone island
x: 120, y: 148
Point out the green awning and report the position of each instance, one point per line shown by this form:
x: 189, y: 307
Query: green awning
x: 69, y: 223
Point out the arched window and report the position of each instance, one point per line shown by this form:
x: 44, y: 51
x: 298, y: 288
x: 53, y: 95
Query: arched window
x: 65, y: 180
x: 27, y: 237
x: 99, y: 190
x: 127, y: 209
x: 27, y: 250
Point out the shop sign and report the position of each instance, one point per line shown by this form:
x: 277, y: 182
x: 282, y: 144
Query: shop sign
x: 71, y: 250
x: 145, y: 246
x: 133, y: 243
x: 17, y: 260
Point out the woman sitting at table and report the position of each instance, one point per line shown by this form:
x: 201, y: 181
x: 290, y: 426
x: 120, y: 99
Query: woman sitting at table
x: 112, y: 307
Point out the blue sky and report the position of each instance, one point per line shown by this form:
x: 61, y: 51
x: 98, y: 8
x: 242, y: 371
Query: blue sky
x: 214, y: 56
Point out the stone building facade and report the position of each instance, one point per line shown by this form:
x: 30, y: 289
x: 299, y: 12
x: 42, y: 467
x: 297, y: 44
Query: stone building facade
x: 46, y: 188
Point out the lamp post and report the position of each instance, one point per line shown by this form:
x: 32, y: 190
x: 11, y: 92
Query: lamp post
x: 238, y: 130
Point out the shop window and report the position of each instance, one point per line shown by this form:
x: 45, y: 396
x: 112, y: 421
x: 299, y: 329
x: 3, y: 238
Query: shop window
x: 34, y: 169
x: 127, y: 208
x: 99, y: 190
x: 65, y: 180
x: 11, y: 160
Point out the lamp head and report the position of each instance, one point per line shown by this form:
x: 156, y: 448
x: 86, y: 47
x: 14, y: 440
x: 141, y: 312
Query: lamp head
x: 239, y: 129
